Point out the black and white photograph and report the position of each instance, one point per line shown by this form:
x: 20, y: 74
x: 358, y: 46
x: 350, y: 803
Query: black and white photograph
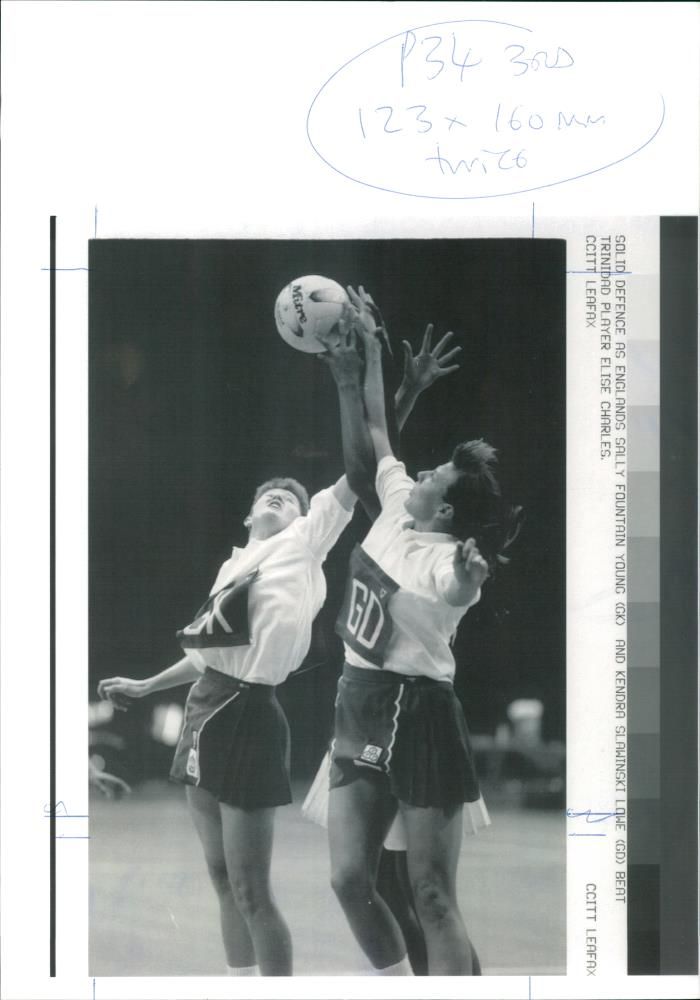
x: 327, y: 514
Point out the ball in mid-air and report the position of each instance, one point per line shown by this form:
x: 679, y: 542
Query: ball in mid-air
x: 308, y: 307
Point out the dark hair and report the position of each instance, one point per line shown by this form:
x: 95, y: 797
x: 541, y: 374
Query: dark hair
x: 284, y: 483
x: 479, y: 511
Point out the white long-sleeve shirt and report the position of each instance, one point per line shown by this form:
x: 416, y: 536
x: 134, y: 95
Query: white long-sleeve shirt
x: 285, y: 595
x: 421, y: 563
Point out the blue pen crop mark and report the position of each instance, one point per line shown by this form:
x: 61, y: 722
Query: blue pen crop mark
x: 590, y: 816
x: 60, y: 811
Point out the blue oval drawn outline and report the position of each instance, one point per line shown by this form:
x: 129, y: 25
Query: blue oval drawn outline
x: 463, y: 197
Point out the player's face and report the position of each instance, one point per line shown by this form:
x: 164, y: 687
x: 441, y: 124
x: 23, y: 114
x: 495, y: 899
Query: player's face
x: 427, y: 496
x: 273, y: 511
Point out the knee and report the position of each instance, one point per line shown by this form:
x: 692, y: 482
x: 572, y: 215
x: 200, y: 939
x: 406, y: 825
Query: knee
x: 250, y: 892
x: 433, y: 901
x: 351, y: 884
x: 219, y: 878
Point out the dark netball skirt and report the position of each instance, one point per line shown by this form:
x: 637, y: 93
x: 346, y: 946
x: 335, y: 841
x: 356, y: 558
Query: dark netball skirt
x: 234, y: 743
x: 408, y: 731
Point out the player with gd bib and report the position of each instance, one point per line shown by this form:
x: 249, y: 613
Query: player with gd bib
x: 400, y: 739
x: 251, y: 633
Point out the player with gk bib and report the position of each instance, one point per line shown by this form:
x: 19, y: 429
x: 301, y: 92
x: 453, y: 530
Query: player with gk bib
x: 400, y: 739
x: 233, y: 753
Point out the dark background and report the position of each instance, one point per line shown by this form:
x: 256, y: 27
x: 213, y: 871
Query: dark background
x: 195, y: 399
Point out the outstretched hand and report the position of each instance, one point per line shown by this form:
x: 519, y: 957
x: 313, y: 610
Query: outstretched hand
x: 110, y: 785
x: 360, y: 323
x: 430, y: 364
x: 470, y: 567
x: 341, y: 354
x: 368, y: 319
x: 121, y: 691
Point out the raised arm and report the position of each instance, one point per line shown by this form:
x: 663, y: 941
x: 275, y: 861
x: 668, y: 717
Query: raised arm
x: 470, y: 570
x: 374, y: 383
x: 345, y: 363
x: 375, y: 406
x: 343, y: 494
x: 420, y: 371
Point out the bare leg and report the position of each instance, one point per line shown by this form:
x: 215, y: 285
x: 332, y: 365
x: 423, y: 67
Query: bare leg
x: 434, y: 842
x: 394, y: 887
x: 359, y: 815
x: 476, y: 964
x: 204, y: 809
x: 247, y: 837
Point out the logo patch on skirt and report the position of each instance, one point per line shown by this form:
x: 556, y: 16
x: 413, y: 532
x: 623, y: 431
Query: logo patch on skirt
x: 371, y: 756
x: 193, y: 764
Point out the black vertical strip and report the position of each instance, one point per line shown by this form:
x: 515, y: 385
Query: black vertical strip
x: 679, y: 590
x: 643, y: 958
x: 52, y: 595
